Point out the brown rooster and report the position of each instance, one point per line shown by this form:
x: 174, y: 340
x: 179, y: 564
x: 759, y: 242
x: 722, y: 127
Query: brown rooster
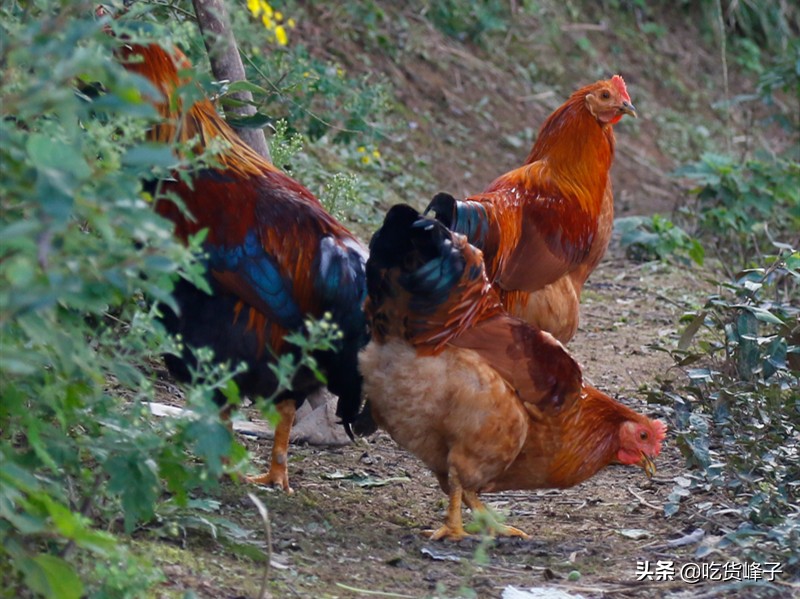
x: 485, y: 400
x: 544, y: 227
x: 274, y: 258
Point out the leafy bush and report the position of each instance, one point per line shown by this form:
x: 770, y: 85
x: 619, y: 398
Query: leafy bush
x: 738, y: 416
x: 467, y: 20
x: 743, y: 206
x: 316, y: 96
x: 84, y: 263
x: 656, y: 238
x: 737, y: 410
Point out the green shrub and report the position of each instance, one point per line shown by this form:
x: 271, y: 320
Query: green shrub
x: 656, y: 238
x: 85, y: 263
x: 467, y: 20
x: 743, y: 206
x: 737, y: 415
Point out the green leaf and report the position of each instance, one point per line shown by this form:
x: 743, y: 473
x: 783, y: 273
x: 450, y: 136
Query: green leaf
x: 691, y: 330
x: 52, y: 577
x: 697, y: 252
x: 49, y: 153
x: 73, y: 526
x: 255, y: 121
x: 762, y: 314
x: 211, y: 441
x: 246, y: 86
x: 150, y: 155
x: 748, y: 355
x: 133, y: 477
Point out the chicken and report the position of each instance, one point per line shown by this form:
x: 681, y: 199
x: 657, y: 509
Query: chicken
x: 274, y: 257
x: 485, y: 400
x: 544, y: 226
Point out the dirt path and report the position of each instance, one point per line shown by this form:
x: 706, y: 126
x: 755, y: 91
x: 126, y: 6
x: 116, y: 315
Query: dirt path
x: 355, y: 519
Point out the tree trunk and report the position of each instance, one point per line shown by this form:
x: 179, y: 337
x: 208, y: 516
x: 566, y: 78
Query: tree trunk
x: 212, y: 17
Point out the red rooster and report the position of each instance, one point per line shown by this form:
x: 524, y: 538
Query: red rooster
x: 544, y: 227
x: 485, y: 400
x: 275, y: 257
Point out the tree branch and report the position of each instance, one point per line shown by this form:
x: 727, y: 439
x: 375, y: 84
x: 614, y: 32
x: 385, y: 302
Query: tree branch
x: 212, y: 17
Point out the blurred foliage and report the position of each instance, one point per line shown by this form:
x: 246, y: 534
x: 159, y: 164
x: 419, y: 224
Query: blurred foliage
x: 656, y: 238
x: 467, y: 21
x: 84, y: 262
x: 741, y: 206
x: 80, y: 250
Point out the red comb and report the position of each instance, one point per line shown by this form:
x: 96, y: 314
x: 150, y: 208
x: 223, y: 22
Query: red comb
x: 619, y: 83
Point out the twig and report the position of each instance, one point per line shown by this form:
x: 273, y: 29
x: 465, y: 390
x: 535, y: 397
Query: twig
x: 669, y: 300
x: 723, y: 56
x: 86, y: 505
x: 369, y: 592
x: 262, y: 510
x: 601, y: 26
x: 294, y: 103
x: 176, y: 9
x: 637, y: 158
x: 642, y: 500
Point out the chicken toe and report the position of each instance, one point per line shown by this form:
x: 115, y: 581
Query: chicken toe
x: 474, y: 503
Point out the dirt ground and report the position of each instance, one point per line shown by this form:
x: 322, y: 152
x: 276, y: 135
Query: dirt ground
x: 353, y: 527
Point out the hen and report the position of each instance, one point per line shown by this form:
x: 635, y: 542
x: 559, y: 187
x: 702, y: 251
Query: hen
x: 544, y: 227
x: 485, y: 400
x: 274, y: 258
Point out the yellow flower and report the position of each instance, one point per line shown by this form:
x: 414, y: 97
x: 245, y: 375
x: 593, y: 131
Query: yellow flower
x: 268, y: 22
x: 361, y: 149
x: 306, y: 74
x: 266, y: 8
x: 280, y: 35
x: 291, y: 23
x: 365, y: 159
x: 254, y: 6
x: 278, y: 16
x: 340, y: 71
x: 376, y: 154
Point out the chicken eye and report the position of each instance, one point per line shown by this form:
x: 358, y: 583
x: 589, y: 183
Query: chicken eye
x: 605, y: 95
x: 643, y: 435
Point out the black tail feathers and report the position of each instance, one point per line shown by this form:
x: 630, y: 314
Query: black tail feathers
x: 443, y: 206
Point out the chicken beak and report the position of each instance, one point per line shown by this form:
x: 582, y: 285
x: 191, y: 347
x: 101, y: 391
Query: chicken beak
x: 648, y: 465
x: 628, y: 108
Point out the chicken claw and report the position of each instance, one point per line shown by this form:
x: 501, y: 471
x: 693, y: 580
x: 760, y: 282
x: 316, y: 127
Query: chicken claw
x: 278, y: 477
x: 510, y: 531
x: 447, y: 533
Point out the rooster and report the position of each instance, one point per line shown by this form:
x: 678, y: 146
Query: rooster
x: 544, y: 226
x: 274, y: 258
x: 485, y: 400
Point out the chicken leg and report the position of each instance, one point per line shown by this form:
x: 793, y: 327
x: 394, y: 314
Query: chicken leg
x: 453, y: 528
x: 476, y: 505
x: 278, y: 475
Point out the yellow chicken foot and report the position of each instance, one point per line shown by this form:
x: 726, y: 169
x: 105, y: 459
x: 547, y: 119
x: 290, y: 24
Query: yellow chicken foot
x: 278, y: 475
x: 476, y: 505
x: 453, y: 529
